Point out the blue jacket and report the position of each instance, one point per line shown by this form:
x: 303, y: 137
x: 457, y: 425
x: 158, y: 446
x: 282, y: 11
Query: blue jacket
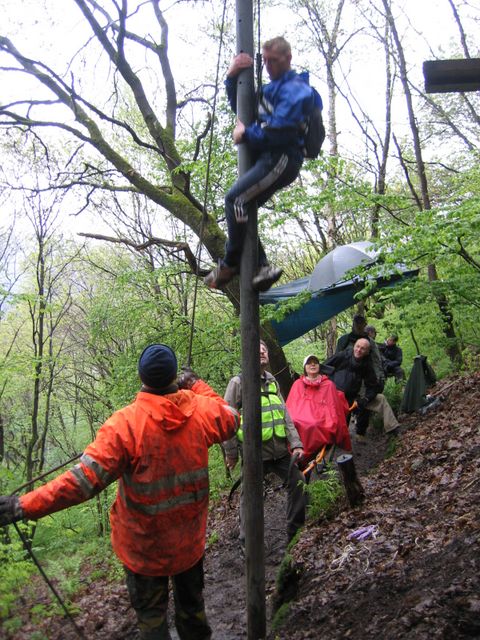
x: 285, y: 104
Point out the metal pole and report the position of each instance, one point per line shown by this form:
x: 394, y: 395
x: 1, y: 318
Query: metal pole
x: 250, y: 329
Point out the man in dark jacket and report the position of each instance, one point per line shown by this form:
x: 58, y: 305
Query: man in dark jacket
x: 352, y: 368
x: 392, y: 357
x: 276, y: 143
x: 359, y: 330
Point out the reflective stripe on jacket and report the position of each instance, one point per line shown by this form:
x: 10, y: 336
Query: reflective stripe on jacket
x: 273, y: 415
x: 157, y: 448
x: 272, y: 449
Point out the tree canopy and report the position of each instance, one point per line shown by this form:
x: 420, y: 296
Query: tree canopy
x: 114, y: 122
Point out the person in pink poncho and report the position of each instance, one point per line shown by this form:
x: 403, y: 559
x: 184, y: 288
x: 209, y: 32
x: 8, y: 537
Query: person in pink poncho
x: 318, y: 410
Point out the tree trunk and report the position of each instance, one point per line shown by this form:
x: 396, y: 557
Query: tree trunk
x: 2, y: 438
x: 353, y: 487
x: 279, y: 365
x: 442, y: 301
x: 326, y: 41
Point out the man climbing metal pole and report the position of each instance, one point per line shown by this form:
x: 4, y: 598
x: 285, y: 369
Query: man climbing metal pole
x: 276, y: 142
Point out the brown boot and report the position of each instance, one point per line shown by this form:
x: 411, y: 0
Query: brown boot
x: 219, y: 277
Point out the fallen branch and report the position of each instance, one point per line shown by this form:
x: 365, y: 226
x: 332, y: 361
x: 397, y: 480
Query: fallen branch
x: 440, y: 391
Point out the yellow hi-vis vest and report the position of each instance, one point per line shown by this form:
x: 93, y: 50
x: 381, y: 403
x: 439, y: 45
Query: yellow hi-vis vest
x: 273, y: 415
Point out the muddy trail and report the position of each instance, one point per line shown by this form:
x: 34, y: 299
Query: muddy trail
x: 415, y: 573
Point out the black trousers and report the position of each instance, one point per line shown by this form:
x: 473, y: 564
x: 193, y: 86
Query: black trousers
x: 149, y: 598
x: 272, y: 171
x: 363, y: 416
x: 296, y: 498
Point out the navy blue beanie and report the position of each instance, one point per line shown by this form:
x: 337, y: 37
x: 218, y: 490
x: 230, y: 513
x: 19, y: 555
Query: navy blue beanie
x: 157, y: 366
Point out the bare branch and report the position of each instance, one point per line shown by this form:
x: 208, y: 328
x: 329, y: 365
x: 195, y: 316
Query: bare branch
x: 202, y: 136
x: 463, y: 37
x: 158, y: 133
x: 407, y: 175
x: 175, y: 245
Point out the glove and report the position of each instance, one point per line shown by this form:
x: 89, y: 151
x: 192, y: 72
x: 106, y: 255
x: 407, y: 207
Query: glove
x: 231, y: 462
x: 298, y: 452
x: 361, y: 403
x: 187, y: 378
x: 10, y: 510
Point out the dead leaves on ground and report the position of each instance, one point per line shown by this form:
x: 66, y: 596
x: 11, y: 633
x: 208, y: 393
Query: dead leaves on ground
x: 422, y: 505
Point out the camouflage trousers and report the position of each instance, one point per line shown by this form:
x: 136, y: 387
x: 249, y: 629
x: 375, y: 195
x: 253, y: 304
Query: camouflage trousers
x: 149, y: 598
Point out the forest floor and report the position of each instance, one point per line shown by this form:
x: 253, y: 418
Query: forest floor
x: 415, y: 575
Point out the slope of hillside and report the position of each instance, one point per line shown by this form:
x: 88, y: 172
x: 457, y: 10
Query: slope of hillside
x: 416, y: 572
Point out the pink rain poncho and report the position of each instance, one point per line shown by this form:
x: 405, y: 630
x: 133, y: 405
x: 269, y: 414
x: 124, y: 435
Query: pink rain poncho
x: 319, y: 412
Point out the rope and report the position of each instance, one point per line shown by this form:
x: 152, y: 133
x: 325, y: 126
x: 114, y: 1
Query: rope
x: 47, y: 473
x: 207, y: 185
x: 27, y: 546
x: 258, y: 61
x: 258, y: 27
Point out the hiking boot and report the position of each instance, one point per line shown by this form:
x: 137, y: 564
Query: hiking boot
x: 291, y: 533
x: 394, y: 431
x: 219, y: 277
x: 266, y: 276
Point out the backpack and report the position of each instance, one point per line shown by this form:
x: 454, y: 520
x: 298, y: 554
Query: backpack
x: 313, y: 129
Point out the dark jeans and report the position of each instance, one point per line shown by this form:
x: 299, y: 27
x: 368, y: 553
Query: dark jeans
x: 363, y: 416
x: 296, y: 499
x: 149, y: 598
x: 397, y: 371
x: 271, y: 172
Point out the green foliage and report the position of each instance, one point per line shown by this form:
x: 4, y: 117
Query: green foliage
x: 445, y: 236
x: 323, y: 494
x: 392, y: 447
x: 12, y: 624
x: 278, y: 312
x: 280, y: 617
x: 15, y: 571
x: 38, y: 635
x: 393, y: 391
x: 330, y: 184
x: 219, y: 480
x: 216, y: 344
x: 39, y: 612
x: 212, y: 539
x: 64, y: 563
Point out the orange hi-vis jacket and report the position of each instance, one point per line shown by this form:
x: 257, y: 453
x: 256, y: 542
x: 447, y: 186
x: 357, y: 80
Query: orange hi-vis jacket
x: 157, y: 447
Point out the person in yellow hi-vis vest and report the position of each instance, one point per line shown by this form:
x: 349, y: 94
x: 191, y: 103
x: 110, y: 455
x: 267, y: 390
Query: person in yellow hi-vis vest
x: 280, y: 441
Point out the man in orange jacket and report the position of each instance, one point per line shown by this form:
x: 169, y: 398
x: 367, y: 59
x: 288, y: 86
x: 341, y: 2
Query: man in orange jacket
x: 157, y: 449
